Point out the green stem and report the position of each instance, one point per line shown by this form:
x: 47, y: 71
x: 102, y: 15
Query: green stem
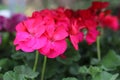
x: 84, y: 77
x: 36, y: 61
x: 43, y: 68
x: 98, y: 48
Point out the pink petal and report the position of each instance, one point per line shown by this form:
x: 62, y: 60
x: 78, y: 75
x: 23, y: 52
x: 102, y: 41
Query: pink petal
x: 57, y: 49
x: 75, y: 39
x: 39, y: 42
x: 21, y: 36
x: 92, y: 36
x: 90, y: 24
x: 24, y: 47
x: 60, y: 34
x: 44, y: 50
x: 50, y: 29
x: 54, y: 49
x: 35, y: 27
x: 20, y: 27
x: 111, y: 21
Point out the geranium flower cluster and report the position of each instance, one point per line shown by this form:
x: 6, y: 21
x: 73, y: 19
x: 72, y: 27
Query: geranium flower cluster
x: 48, y: 29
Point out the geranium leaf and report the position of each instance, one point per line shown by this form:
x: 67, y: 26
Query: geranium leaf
x: 111, y: 60
x: 26, y: 71
x: 69, y: 78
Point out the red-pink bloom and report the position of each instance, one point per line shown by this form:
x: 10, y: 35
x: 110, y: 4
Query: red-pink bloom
x: 109, y: 21
x: 29, y: 35
x: 47, y: 34
x: 89, y: 23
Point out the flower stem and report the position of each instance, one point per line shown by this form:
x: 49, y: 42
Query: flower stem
x: 43, y: 68
x: 36, y: 61
x: 98, y: 48
x: 84, y: 77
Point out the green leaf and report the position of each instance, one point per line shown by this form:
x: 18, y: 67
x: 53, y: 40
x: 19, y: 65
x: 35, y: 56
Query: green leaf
x: 94, y: 61
x: 6, y: 63
x: 94, y: 70
x: 114, y: 76
x: 83, y: 70
x: 3, y: 62
x: 10, y: 75
x: 18, y: 55
x: 0, y: 68
x: 105, y: 76
x: 74, y: 69
x: 26, y: 71
x: 20, y: 73
x: 70, y: 78
x: 111, y: 60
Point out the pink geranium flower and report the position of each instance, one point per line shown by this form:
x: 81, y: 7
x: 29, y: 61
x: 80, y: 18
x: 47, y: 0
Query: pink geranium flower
x: 47, y: 34
x: 28, y: 37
